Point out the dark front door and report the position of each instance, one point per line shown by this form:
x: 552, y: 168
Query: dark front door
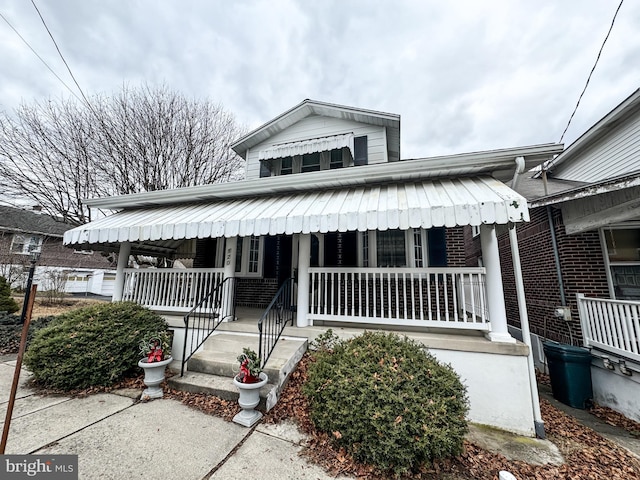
x: 277, y: 257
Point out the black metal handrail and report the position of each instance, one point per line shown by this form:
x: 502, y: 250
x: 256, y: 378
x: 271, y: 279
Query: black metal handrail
x: 272, y: 322
x: 207, y: 315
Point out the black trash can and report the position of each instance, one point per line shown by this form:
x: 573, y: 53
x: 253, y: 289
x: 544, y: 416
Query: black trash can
x: 570, y: 373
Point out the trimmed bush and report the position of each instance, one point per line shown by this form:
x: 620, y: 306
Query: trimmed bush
x: 7, y: 303
x: 92, y: 346
x: 387, y: 401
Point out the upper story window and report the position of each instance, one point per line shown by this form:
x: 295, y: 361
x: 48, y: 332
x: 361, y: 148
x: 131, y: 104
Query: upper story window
x: 286, y: 166
x: 25, y: 244
x: 336, y: 160
x: 310, y: 162
x: 360, y: 151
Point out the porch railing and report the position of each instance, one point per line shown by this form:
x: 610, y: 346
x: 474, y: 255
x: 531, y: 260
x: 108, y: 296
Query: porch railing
x: 170, y: 289
x: 272, y: 322
x: 206, y: 316
x: 611, y: 325
x: 438, y: 297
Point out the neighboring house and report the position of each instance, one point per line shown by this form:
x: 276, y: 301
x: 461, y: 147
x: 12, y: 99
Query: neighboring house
x: 26, y: 232
x: 591, y: 294
x: 361, y: 238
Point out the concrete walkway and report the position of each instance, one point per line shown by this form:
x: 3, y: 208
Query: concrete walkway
x: 116, y: 437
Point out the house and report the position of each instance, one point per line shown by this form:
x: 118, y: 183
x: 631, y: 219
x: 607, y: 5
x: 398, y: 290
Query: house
x: 332, y: 228
x: 582, y: 274
x: 23, y: 232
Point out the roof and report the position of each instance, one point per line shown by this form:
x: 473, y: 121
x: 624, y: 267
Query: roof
x: 533, y: 188
x: 24, y: 221
x: 626, y: 109
x: 312, y: 107
x: 412, y: 204
x: 460, y: 165
x: 610, y: 185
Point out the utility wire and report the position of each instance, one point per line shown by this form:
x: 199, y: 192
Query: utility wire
x: 59, y: 52
x: 37, y: 55
x: 591, y: 73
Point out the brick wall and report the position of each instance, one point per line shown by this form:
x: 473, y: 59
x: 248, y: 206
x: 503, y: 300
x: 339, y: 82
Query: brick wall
x: 582, y: 266
x: 456, y: 254
x: 256, y: 292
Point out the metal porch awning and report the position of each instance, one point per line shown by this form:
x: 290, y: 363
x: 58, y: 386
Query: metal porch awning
x: 426, y: 204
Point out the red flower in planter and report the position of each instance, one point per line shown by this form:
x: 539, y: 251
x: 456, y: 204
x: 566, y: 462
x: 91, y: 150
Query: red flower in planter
x: 249, y: 367
x: 155, y: 355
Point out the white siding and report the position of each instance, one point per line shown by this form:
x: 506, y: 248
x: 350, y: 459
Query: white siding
x: 618, y: 153
x: 317, y: 126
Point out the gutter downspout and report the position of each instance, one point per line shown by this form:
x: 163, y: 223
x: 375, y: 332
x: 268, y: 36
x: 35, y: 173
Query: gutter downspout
x: 538, y: 422
x: 556, y: 256
x: 517, y: 172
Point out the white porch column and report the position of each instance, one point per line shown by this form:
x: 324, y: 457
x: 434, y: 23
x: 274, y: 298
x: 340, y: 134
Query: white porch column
x: 304, y: 261
x: 230, y: 248
x: 495, y: 292
x: 123, y: 261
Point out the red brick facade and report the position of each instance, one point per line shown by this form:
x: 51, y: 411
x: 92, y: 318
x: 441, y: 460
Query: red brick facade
x: 582, y: 266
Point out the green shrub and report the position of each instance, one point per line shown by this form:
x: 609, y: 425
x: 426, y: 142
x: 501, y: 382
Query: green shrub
x: 387, y: 401
x: 92, y: 346
x: 7, y: 303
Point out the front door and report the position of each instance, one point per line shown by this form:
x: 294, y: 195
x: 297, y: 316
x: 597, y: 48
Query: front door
x: 277, y: 257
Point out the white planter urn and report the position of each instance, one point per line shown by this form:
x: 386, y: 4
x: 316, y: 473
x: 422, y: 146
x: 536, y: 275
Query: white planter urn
x: 153, y: 376
x: 249, y: 400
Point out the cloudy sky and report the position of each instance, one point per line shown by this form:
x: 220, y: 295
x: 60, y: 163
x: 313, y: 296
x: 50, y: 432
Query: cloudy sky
x: 465, y: 75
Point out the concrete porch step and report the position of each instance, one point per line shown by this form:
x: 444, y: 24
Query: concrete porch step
x: 219, y: 386
x: 212, y: 369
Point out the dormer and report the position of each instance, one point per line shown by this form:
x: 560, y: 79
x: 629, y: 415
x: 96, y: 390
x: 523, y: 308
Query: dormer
x: 316, y: 136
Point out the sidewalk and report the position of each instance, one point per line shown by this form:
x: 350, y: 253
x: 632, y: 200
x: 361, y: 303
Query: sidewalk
x: 116, y: 437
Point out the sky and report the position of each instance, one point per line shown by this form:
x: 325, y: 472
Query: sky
x: 464, y: 75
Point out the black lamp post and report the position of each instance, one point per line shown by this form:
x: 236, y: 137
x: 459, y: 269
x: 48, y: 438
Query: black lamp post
x: 27, y: 293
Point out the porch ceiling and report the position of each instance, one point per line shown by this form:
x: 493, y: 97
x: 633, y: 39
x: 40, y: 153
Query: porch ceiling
x: 426, y: 204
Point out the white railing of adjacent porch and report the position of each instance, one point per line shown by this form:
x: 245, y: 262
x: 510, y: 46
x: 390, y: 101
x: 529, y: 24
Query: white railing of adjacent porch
x: 437, y: 297
x: 169, y: 289
x: 611, y: 325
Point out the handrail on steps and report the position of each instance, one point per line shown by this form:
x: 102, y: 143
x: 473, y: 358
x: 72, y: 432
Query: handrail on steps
x: 274, y: 319
x: 207, y: 315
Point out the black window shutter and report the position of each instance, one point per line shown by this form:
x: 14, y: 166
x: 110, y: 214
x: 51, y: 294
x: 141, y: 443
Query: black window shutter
x: 437, y: 240
x: 361, y: 156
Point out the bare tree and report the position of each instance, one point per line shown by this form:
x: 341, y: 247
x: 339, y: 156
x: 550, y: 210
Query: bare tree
x: 144, y: 139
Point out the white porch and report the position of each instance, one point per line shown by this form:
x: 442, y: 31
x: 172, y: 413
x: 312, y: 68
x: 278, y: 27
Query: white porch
x: 611, y: 330
x: 448, y: 298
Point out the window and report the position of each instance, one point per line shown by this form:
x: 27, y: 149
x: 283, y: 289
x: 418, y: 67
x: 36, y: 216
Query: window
x: 286, y: 166
x: 336, y: 159
x: 25, y: 244
x: 265, y: 169
x: 249, y: 253
x: 623, y: 255
x: 311, y: 162
x: 401, y: 248
x: 390, y: 249
x: 360, y: 151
